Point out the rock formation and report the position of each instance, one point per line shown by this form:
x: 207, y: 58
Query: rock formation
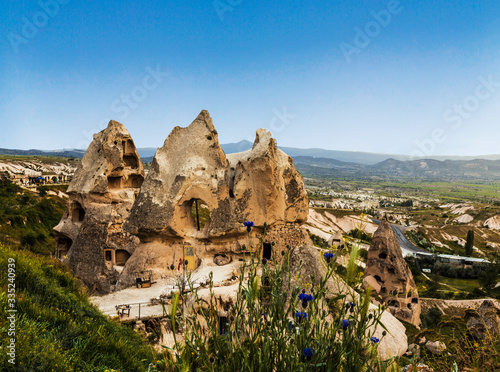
x: 90, y: 236
x: 487, y: 321
x: 306, y: 260
x: 388, y: 275
x: 192, y: 204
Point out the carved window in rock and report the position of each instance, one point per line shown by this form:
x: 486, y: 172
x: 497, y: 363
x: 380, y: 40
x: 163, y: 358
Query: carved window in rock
x: 267, y: 251
x: 121, y: 257
x: 134, y: 181
x: 390, y: 270
x: 77, y: 212
x: 394, y: 303
x: 115, y: 183
x: 128, y: 147
x: 63, y: 246
x: 200, y: 213
x: 414, y: 300
x: 108, y: 255
x: 382, y: 256
x: 131, y: 161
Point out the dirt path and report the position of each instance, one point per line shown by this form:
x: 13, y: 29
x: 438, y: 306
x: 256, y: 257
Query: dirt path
x: 134, y: 296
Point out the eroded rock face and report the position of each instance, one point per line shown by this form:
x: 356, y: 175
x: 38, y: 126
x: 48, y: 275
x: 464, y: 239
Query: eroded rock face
x: 386, y: 266
x: 487, y: 324
x: 260, y: 185
x: 192, y: 204
x: 89, y: 236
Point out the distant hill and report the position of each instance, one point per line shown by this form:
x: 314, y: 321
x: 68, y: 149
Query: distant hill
x: 70, y: 153
x: 320, y: 162
x: 477, y: 169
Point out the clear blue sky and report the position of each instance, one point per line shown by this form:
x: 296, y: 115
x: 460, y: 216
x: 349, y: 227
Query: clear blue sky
x: 421, y: 75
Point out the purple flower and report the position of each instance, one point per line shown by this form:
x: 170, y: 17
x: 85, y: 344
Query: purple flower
x: 374, y: 340
x: 308, y: 353
x: 300, y: 315
x: 305, y: 297
x: 345, y: 324
x: 328, y: 256
x: 248, y: 225
x: 352, y: 305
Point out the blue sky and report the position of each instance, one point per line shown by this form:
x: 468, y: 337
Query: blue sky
x: 418, y: 78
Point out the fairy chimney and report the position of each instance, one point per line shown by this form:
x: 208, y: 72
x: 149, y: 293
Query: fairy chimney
x: 388, y: 275
x: 89, y: 236
x: 191, y: 205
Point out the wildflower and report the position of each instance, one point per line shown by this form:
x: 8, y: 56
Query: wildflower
x: 212, y: 359
x: 352, y: 305
x: 264, y: 261
x: 384, y: 333
x: 370, y: 316
x: 328, y: 256
x: 248, y: 225
x: 308, y: 353
x: 375, y: 340
x: 305, y: 298
x: 345, y: 324
x: 300, y: 315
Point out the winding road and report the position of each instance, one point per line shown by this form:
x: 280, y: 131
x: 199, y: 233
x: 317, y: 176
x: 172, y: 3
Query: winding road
x: 406, y: 245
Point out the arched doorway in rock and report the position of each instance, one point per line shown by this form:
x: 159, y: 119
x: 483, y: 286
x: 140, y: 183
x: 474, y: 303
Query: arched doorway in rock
x: 121, y: 257
x: 63, y: 244
x: 200, y: 213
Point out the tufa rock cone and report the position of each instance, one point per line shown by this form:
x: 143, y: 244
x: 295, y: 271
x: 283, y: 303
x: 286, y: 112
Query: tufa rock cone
x: 388, y: 275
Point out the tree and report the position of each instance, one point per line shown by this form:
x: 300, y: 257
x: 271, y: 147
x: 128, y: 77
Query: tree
x: 489, y: 277
x: 469, y: 243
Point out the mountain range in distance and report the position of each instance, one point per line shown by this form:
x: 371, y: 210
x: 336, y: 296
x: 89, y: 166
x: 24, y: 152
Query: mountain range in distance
x: 327, y: 163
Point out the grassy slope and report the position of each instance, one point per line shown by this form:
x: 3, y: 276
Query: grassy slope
x: 58, y: 329
x: 27, y: 219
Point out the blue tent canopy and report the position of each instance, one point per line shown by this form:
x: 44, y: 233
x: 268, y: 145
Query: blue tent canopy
x: 39, y: 178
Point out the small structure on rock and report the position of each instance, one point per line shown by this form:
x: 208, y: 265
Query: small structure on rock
x: 388, y: 275
x: 191, y: 205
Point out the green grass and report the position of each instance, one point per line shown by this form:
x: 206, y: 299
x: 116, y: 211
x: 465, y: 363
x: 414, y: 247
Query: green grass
x: 27, y: 219
x: 57, y: 328
x: 466, y: 285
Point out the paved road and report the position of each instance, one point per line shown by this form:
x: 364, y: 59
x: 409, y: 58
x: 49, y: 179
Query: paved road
x: 404, y: 242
